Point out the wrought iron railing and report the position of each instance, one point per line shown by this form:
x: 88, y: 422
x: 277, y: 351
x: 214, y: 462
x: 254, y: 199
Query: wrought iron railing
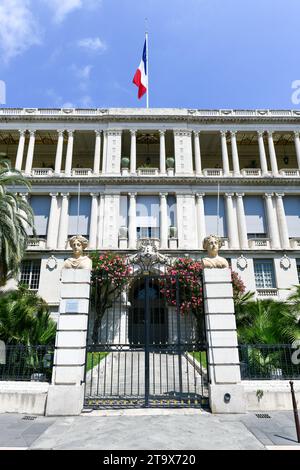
x: 26, y: 363
x: 269, y: 362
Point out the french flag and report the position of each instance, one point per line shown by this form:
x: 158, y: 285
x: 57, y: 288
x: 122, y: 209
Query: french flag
x: 140, y: 78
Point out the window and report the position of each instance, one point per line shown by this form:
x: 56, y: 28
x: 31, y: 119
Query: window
x: 264, y: 274
x: 298, y: 269
x: 147, y: 232
x: 213, y: 223
x: 292, y: 214
x: 255, y: 217
x: 79, y: 223
x: 41, y: 208
x: 30, y: 273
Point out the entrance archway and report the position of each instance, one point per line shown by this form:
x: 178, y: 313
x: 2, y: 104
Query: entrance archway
x: 141, y: 293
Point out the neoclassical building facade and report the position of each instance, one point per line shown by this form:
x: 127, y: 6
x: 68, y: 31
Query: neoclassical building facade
x: 120, y: 176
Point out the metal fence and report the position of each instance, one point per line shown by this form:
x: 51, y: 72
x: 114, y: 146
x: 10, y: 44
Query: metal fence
x: 26, y: 363
x: 146, y: 351
x: 269, y: 362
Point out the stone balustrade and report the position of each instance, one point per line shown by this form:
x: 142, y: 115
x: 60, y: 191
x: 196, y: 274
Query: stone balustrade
x: 259, y: 243
x: 271, y: 292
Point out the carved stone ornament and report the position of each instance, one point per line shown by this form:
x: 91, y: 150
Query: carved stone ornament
x: 212, y: 244
x: 78, y: 243
x: 51, y: 263
x: 242, y: 262
x: 148, y: 256
x: 285, y: 262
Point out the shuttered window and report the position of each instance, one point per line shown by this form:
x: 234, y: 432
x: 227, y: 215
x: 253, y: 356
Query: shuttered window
x: 292, y: 213
x: 211, y: 216
x: 79, y: 224
x: 41, y: 208
x: 255, y: 216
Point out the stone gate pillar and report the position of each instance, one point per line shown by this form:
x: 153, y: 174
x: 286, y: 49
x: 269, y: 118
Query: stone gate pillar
x: 225, y: 388
x: 66, y: 392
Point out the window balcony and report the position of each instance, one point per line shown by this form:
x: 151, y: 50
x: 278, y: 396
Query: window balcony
x: 82, y: 172
x: 259, y: 243
x: 42, y: 172
x: 213, y: 172
x: 36, y: 244
x: 267, y: 292
x: 148, y: 172
x: 290, y: 172
x: 251, y: 172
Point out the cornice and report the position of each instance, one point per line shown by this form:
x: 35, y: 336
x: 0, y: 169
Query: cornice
x: 165, y: 180
x: 170, y: 115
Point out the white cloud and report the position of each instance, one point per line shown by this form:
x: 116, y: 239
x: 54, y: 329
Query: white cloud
x: 83, y: 73
x: 18, y: 28
x: 86, y: 102
x: 92, y: 44
x: 61, y: 8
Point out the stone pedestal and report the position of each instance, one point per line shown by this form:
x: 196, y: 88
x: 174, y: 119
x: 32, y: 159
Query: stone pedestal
x: 173, y: 243
x: 123, y: 243
x: 225, y: 387
x: 66, y: 392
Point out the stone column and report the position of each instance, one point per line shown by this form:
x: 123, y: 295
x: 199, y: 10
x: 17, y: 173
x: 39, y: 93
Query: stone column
x: 20, y: 151
x: 223, y: 356
x: 272, y: 152
x: 30, y: 152
x: 59, y: 152
x: 69, y: 156
x: 198, y: 163
x: 232, y: 233
x: 201, y: 230
x: 93, y: 222
x: 163, y: 221
x: 100, y: 221
x: 241, y: 219
x: 64, y: 222
x: 132, y: 221
x: 235, y: 155
x: 283, y: 228
x: 97, y: 154
x: 133, y: 152
x: 52, y: 224
x: 26, y: 198
x: 262, y: 153
x: 297, y: 146
x: 162, y: 152
x: 225, y: 159
x: 272, y: 222
x: 66, y: 392
x: 104, y: 156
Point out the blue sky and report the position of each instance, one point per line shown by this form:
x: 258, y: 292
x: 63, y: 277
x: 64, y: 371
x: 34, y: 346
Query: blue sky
x: 202, y: 53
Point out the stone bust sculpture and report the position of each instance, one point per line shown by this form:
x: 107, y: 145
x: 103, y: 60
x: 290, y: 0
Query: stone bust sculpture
x: 212, y: 244
x: 78, y: 261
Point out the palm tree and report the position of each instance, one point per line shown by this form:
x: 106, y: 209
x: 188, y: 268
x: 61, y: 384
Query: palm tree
x: 25, y: 319
x: 267, y: 322
x: 294, y: 301
x: 16, y: 218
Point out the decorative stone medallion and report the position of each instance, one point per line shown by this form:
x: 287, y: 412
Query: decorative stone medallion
x: 285, y: 262
x: 51, y: 263
x: 242, y: 262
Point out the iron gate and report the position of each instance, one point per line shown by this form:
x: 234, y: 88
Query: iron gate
x: 145, y: 352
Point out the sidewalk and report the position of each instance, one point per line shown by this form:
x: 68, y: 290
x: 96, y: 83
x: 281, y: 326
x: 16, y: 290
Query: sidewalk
x: 150, y: 429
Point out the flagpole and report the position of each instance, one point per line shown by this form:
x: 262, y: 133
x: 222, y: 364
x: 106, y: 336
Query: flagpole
x: 147, y: 63
x: 78, y: 208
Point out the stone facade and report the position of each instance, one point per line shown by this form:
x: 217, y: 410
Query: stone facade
x: 250, y: 158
